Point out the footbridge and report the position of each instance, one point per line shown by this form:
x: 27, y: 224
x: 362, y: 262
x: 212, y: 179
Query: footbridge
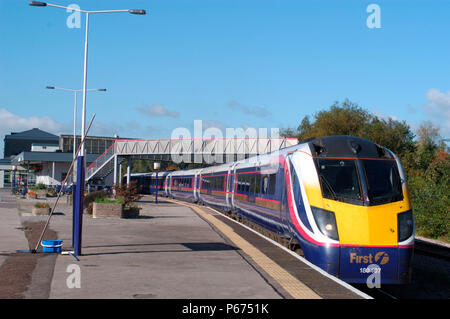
x: 187, y: 150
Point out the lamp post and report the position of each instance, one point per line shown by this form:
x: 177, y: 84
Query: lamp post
x: 75, y: 93
x: 156, y: 166
x: 80, y: 163
x: 14, y: 179
x: 74, y: 110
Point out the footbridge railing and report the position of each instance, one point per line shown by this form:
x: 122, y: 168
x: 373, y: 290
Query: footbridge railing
x: 190, y: 150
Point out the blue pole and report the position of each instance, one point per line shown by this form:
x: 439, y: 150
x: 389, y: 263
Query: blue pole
x: 74, y: 209
x: 157, y: 185
x: 79, y: 206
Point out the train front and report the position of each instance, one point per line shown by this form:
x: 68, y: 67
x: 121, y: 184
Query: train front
x: 358, y: 222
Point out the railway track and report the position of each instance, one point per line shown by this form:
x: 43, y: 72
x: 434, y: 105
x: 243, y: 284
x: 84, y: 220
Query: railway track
x: 432, y: 248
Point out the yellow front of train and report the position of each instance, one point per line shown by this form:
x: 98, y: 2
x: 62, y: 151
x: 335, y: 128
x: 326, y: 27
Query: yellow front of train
x: 357, y: 195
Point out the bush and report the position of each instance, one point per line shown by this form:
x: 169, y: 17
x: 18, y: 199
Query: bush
x: 103, y: 200
x: 129, y: 193
x: 38, y: 187
x: 430, y: 198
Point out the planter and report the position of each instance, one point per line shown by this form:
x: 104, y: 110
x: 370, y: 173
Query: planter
x: 101, y: 210
x: 41, y: 193
x: 40, y: 211
x: 104, y: 210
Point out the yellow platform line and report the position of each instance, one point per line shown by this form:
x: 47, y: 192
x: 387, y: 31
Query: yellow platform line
x: 292, y: 285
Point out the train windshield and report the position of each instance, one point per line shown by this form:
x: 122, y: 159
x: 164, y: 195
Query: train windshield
x: 383, y: 181
x: 339, y: 180
x: 361, y: 182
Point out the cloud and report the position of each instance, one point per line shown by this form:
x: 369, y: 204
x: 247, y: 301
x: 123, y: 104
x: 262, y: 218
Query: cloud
x: 258, y: 111
x: 386, y: 117
x: 438, y: 108
x: 158, y: 110
x: 10, y: 122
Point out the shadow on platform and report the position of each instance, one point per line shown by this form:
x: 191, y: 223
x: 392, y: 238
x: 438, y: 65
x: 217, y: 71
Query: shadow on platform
x: 190, y: 247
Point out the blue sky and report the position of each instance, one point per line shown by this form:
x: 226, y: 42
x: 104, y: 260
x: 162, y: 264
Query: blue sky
x: 229, y: 63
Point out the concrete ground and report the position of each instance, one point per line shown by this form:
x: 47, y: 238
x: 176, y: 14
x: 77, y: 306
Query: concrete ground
x: 168, y: 252
x: 171, y: 251
x: 11, y: 234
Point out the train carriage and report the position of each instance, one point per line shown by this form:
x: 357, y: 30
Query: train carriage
x: 183, y: 184
x: 343, y: 200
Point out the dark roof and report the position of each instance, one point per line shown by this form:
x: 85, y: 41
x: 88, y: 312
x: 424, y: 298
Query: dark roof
x: 50, y: 157
x: 347, y: 146
x: 33, y: 134
x: 5, y: 161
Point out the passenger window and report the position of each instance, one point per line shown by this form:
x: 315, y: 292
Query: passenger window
x: 265, y: 184
x: 258, y: 183
x: 272, y: 182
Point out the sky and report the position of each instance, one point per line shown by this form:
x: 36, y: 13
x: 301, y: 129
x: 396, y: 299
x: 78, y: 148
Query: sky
x: 228, y: 63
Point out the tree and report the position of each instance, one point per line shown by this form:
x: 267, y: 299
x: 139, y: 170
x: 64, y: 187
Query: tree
x: 394, y: 135
x: 348, y: 118
x: 427, y: 144
x: 345, y: 119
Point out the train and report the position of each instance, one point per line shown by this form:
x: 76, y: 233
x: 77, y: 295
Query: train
x: 342, y: 201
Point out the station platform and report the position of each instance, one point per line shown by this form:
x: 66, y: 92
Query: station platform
x: 174, y: 250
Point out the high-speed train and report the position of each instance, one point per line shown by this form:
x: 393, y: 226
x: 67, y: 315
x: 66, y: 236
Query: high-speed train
x: 343, y: 200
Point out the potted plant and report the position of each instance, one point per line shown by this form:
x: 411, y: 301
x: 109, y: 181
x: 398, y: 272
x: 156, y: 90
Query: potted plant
x: 107, y: 207
x: 130, y: 194
x: 40, y: 209
x: 40, y: 190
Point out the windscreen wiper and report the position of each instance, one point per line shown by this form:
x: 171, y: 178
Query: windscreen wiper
x: 327, y: 184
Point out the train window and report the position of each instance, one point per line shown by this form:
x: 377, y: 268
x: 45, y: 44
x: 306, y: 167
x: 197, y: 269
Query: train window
x: 258, y: 183
x: 247, y: 183
x: 265, y: 184
x: 339, y: 179
x: 272, y: 183
x: 241, y: 182
x: 383, y: 181
x: 252, y: 183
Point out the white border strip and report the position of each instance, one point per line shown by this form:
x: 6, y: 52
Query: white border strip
x: 323, y: 272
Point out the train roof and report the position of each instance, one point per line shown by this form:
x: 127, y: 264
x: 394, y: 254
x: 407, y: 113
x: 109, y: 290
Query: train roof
x: 347, y: 146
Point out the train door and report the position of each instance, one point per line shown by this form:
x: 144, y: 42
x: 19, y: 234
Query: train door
x: 283, y: 196
x: 233, y: 185
x: 194, y: 186
x: 250, y: 180
x: 282, y: 178
x: 229, y: 186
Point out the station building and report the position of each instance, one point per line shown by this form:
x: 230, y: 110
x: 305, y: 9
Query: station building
x: 35, y: 156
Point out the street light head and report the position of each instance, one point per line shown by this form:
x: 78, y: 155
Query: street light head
x: 50, y: 87
x: 137, y: 11
x: 103, y: 90
x: 38, y: 4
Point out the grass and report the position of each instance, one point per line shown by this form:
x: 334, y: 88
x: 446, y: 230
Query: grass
x: 104, y: 200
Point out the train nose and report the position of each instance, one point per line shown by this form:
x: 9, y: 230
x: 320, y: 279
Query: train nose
x: 369, y: 264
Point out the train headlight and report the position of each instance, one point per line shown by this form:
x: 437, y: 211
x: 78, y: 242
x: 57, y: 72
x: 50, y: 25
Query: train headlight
x: 326, y: 221
x: 405, y: 224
